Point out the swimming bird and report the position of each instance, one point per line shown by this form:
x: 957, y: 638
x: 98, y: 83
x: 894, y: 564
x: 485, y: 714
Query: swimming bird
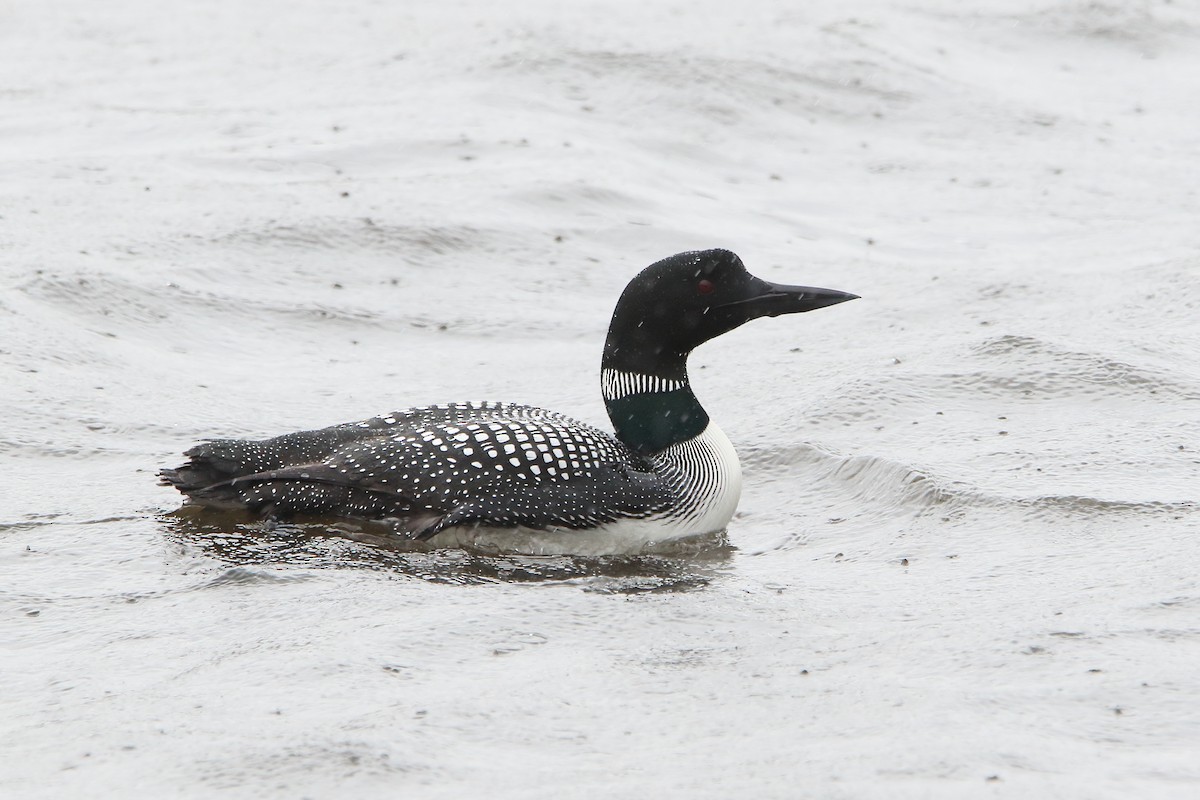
x: 444, y: 471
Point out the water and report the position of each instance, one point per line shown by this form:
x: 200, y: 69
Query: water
x: 965, y: 562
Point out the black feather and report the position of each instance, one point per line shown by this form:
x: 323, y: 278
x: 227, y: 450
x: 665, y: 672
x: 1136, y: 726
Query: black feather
x: 432, y: 468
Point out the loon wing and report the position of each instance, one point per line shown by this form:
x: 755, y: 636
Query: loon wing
x: 433, y: 468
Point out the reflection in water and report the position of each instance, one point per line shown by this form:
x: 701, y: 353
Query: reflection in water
x: 239, y: 541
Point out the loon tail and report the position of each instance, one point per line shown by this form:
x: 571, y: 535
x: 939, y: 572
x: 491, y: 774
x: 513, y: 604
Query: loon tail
x: 214, y: 479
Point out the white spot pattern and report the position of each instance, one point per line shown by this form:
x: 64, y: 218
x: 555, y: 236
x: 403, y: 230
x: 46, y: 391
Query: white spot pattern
x: 414, y: 464
x: 562, y: 474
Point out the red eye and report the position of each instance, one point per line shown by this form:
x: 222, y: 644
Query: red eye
x: 705, y: 286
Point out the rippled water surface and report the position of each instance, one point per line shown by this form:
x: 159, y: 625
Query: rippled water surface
x: 966, y: 559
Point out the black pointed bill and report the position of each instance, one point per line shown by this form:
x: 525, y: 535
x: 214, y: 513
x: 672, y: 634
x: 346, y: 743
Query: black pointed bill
x: 777, y: 298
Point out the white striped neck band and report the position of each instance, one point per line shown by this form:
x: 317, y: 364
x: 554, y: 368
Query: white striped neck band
x: 615, y: 384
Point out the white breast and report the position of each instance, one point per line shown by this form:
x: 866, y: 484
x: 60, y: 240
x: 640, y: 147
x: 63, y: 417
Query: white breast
x: 708, y: 478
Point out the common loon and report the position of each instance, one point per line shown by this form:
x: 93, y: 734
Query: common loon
x: 449, y: 470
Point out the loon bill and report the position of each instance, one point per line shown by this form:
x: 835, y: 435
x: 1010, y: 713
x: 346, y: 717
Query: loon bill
x: 669, y: 472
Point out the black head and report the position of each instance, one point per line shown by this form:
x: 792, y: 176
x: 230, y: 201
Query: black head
x: 677, y: 304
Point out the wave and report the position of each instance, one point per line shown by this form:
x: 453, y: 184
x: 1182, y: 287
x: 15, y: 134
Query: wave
x: 856, y: 86
x: 1134, y: 23
x: 1017, y: 370
x: 116, y: 308
x: 414, y: 244
x: 1037, y: 367
x: 113, y: 300
x: 876, y: 485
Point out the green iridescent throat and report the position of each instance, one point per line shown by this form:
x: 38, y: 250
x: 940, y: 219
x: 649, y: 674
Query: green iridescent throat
x: 653, y: 421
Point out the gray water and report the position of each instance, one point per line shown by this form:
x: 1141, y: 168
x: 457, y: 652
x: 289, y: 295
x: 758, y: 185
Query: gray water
x: 965, y: 563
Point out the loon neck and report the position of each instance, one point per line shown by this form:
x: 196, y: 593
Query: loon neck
x: 651, y: 410
x: 644, y: 378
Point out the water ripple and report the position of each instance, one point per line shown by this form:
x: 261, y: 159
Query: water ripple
x: 874, y: 482
x: 243, y: 545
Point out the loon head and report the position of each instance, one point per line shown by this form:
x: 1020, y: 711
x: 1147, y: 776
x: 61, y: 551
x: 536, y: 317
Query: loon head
x: 677, y: 304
